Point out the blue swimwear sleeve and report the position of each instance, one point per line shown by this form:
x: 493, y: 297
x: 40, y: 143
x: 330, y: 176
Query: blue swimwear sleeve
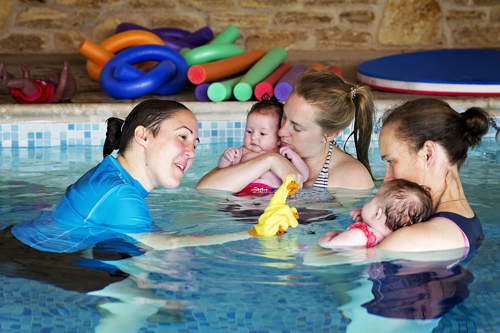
x: 123, y: 210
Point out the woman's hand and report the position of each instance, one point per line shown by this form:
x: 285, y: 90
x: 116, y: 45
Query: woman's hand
x: 356, y: 214
x: 282, y: 167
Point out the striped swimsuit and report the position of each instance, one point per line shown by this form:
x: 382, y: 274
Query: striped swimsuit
x: 322, y: 180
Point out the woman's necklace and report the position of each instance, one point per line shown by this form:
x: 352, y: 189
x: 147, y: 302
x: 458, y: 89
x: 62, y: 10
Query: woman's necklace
x: 463, y: 199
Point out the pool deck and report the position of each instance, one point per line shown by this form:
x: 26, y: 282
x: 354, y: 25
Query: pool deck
x: 91, y: 104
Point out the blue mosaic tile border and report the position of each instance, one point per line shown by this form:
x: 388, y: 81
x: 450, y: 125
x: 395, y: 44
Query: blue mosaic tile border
x: 93, y: 134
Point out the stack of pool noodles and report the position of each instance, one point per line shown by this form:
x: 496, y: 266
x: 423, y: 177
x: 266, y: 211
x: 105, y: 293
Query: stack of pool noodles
x: 221, y: 80
x: 116, y: 73
x: 162, y: 61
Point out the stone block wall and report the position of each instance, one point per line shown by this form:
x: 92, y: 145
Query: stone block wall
x: 58, y: 26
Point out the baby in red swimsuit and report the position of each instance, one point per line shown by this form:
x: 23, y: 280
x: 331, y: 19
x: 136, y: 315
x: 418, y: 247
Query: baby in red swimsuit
x: 398, y: 203
x: 261, y: 137
x: 56, y: 87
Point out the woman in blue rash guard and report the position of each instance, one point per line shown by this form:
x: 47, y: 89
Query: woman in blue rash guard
x: 156, y: 146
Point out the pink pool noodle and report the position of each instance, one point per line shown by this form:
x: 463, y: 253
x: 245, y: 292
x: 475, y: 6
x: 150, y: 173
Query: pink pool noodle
x: 335, y: 70
x: 267, y: 86
x: 285, y: 85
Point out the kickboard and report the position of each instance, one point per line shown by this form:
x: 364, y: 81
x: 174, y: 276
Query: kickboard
x: 462, y: 72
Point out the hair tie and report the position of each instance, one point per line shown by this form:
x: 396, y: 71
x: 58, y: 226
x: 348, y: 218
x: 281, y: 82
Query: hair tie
x: 354, y: 88
x: 123, y: 124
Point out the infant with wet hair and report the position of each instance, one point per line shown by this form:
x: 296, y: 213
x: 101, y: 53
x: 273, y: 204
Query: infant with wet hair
x: 398, y: 203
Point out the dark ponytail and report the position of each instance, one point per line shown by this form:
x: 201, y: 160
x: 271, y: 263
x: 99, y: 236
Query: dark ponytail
x: 113, y: 135
x: 432, y: 119
x: 476, y: 123
x: 149, y: 114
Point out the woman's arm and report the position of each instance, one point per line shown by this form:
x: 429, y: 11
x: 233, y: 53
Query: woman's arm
x: 434, y: 235
x: 164, y: 241
x: 237, y: 177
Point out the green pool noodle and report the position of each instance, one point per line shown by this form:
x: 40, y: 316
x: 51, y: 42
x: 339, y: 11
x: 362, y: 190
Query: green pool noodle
x: 227, y: 36
x: 184, y: 51
x: 222, y: 91
x: 243, y: 91
x: 212, y: 52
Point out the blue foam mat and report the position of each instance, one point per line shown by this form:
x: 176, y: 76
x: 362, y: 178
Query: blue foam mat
x: 462, y: 66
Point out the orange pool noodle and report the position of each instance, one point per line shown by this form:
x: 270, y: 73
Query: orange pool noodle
x: 97, y: 54
x: 335, y: 70
x: 317, y: 65
x: 267, y: 86
x: 219, y: 69
x: 94, y: 52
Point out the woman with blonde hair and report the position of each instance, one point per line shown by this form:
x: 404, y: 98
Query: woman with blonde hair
x: 320, y: 106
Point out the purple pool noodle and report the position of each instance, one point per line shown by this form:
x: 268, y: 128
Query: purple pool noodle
x: 175, y: 44
x: 201, y: 92
x: 171, y: 32
x: 129, y: 26
x: 284, y: 87
x: 199, y: 37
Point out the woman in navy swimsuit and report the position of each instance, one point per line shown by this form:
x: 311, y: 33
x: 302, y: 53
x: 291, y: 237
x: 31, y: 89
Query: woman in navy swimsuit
x: 426, y: 141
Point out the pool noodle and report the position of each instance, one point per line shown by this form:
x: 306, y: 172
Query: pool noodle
x: 175, y: 44
x: 168, y: 32
x: 223, y: 68
x: 335, y: 70
x: 284, y: 87
x: 212, y: 52
x: 267, y: 86
x: 112, y: 45
x: 199, y: 37
x: 243, y: 91
x: 227, y: 36
x: 317, y: 65
x: 201, y: 92
x: 124, y: 71
x: 176, y: 33
x: 222, y: 91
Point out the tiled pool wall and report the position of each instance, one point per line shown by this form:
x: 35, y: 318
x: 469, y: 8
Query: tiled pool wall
x: 26, y: 135
x: 93, y: 134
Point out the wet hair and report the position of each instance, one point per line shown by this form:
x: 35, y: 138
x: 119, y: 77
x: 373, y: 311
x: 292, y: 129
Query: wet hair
x: 268, y: 105
x: 406, y: 203
x: 340, y: 103
x: 432, y: 119
x: 149, y: 113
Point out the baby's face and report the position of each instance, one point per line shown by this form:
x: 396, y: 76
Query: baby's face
x: 261, y: 132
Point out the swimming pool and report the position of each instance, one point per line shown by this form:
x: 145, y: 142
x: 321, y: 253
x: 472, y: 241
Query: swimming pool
x: 255, y: 285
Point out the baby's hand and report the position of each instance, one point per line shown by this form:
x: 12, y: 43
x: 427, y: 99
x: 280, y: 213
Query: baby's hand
x: 288, y: 152
x: 231, y: 153
x: 25, y: 67
x: 356, y: 214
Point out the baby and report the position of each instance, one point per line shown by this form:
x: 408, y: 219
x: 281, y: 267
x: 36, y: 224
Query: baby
x: 261, y: 137
x: 56, y: 87
x: 397, y: 204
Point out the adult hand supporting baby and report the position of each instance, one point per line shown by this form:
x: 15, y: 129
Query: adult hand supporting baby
x: 278, y: 216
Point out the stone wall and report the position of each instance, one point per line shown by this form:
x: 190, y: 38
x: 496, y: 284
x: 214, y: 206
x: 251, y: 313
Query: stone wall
x: 58, y: 26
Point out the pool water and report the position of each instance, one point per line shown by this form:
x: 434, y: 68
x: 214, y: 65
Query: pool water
x: 254, y: 285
